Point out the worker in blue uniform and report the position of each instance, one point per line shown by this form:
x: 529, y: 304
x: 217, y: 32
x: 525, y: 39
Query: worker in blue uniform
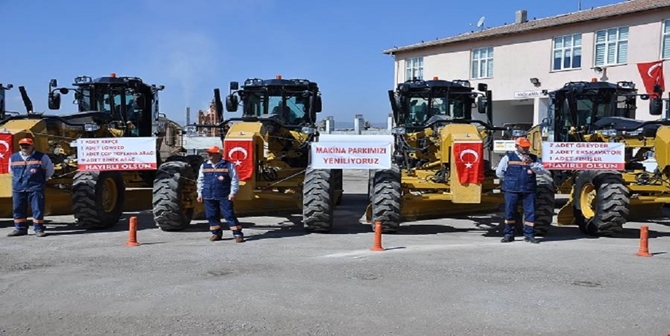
x: 518, y: 170
x: 217, y: 185
x: 30, y: 170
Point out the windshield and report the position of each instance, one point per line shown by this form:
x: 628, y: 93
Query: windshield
x: 99, y: 98
x: 590, y: 107
x: 292, y: 109
x: 594, y: 106
x: 421, y: 108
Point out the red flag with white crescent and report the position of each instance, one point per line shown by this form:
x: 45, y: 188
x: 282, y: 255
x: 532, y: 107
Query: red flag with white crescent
x: 652, y: 74
x: 241, y: 154
x: 469, y: 158
x: 6, y: 150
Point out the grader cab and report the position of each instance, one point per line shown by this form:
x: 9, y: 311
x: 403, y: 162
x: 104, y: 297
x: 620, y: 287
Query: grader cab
x: 439, y: 162
x: 602, y: 200
x: 106, y: 107
x: 269, y: 145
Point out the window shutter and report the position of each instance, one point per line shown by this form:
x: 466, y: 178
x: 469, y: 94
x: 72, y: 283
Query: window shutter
x: 666, y: 46
x: 622, y: 52
x: 489, y: 66
x: 611, y: 49
x: 600, y: 54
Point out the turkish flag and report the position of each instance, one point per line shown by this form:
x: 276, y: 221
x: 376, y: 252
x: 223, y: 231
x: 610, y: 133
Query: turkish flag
x: 241, y: 154
x: 469, y: 158
x: 6, y: 151
x: 652, y: 74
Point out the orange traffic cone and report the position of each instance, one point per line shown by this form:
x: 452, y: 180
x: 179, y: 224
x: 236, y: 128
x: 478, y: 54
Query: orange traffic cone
x: 132, y: 232
x: 377, y: 245
x: 644, y: 242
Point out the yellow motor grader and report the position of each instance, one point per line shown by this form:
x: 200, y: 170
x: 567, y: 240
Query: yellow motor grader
x: 436, y: 133
x: 603, y: 198
x: 107, y: 107
x: 269, y: 145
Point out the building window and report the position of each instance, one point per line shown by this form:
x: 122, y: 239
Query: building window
x: 665, y: 45
x: 567, y: 52
x: 414, y: 68
x: 611, y: 46
x: 482, y: 63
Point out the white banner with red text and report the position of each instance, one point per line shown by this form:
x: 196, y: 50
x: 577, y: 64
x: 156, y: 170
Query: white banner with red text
x: 116, y: 154
x: 335, y: 151
x: 583, y: 155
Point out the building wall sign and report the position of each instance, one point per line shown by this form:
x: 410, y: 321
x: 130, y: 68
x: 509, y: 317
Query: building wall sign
x: 528, y: 94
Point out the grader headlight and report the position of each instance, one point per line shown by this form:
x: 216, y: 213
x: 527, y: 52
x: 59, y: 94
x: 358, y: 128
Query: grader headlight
x: 88, y: 127
x: 398, y: 131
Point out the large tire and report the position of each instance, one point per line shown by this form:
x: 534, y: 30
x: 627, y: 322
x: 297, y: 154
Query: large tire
x: 338, y: 176
x: 386, y: 199
x: 545, y: 203
x: 168, y: 194
x: 371, y: 182
x: 98, y: 199
x: 318, y: 200
x: 610, y: 206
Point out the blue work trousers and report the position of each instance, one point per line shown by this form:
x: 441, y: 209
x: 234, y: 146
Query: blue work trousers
x: 511, y: 214
x: 20, y: 201
x: 213, y: 210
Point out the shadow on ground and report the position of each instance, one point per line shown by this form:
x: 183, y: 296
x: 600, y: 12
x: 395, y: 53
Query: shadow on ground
x: 347, y: 221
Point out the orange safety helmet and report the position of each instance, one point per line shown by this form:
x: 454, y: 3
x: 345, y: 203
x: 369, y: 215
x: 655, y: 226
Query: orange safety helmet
x: 26, y: 141
x: 213, y: 150
x: 523, y: 142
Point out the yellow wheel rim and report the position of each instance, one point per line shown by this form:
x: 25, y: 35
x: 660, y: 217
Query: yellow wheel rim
x: 587, y: 200
x: 110, y: 195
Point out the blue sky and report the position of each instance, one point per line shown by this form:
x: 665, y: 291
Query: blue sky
x: 194, y: 46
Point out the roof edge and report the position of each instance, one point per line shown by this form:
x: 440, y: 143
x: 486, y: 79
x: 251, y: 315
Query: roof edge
x: 438, y: 43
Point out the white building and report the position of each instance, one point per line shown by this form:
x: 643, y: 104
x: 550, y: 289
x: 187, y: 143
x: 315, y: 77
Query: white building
x: 521, y: 59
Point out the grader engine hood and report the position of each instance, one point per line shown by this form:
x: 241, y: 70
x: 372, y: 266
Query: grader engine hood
x: 463, y: 148
x: 242, y: 146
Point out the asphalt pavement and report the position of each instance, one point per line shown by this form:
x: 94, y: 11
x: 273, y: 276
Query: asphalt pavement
x: 436, y: 277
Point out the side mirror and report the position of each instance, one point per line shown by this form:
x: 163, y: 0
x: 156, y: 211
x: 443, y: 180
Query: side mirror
x: 482, y: 103
x: 54, y: 101
x: 234, y: 86
x: 482, y: 87
x: 656, y: 106
x: 53, y: 83
x: 317, y: 104
x: 231, y: 103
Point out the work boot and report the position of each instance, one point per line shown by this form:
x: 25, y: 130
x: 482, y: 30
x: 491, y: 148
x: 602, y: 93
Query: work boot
x: 215, y: 237
x: 17, y: 233
x: 531, y: 240
x: 529, y: 234
x: 40, y: 234
x: 239, y: 239
x: 507, y: 239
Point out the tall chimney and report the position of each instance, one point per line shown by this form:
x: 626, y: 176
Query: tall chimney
x: 521, y: 16
x: 188, y: 115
